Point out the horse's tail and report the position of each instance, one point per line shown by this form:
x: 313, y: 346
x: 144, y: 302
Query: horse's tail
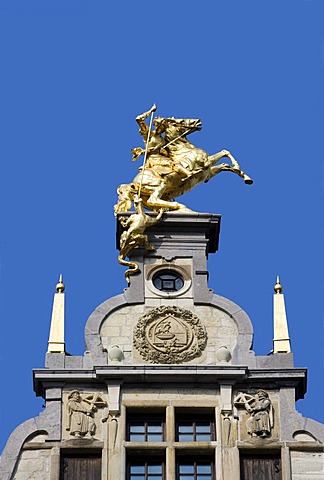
x: 126, y: 194
x: 133, y: 267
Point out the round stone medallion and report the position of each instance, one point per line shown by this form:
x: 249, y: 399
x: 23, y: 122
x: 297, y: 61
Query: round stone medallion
x: 169, y: 335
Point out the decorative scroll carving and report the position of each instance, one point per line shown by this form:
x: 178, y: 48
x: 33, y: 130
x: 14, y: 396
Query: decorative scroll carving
x: 227, y: 424
x: 260, y: 408
x: 81, y: 413
x: 169, y: 335
x: 113, y: 426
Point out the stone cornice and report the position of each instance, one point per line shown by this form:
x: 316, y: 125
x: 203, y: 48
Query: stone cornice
x: 166, y: 374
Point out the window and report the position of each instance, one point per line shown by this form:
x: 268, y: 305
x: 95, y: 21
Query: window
x: 148, y: 428
x: 201, y: 428
x: 168, y: 281
x: 188, y: 469
x: 145, y: 469
x: 145, y: 452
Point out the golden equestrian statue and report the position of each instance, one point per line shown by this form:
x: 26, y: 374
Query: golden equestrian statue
x: 172, y: 166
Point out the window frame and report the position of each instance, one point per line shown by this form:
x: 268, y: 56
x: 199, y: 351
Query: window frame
x: 195, y: 461
x: 146, y: 461
x: 194, y: 419
x: 175, y: 277
x: 134, y: 418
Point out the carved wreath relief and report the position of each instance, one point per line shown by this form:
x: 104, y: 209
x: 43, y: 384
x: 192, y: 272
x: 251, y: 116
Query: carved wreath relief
x: 81, y: 413
x: 169, y: 335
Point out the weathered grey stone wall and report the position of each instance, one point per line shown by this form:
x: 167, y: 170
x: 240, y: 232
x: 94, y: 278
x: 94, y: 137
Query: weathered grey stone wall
x: 221, y: 331
x: 113, y: 321
x: 307, y: 465
x: 177, y: 396
x: 34, y: 463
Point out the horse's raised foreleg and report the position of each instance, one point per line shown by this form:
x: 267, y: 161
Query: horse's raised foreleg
x: 234, y: 167
x: 213, y: 159
x: 237, y: 169
x: 248, y: 180
x: 225, y: 167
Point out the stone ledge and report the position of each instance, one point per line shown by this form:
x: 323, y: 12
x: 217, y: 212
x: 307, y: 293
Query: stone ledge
x: 182, y: 223
x: 189, y: 374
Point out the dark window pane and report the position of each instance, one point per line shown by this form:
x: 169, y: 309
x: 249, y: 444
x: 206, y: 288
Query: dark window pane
x: 154, y: 428
x: 137, y: 438
x: 137, y: 469
x: 203, y: 437
x: 186, y: 428
x: 168, y: 285
x: 154, y: 469
x: 202, y: 428
x: 203, y: 468
x: 186, y: 469
x: 178, y: 283
x: 137, y: 428
x: 158, y: 283
x: 186, y: 438
x: 154, y: 437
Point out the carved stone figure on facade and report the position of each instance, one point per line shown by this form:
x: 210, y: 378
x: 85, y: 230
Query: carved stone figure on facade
x: 260, y: 408
x: 134, y: 235
x: 81, y: 413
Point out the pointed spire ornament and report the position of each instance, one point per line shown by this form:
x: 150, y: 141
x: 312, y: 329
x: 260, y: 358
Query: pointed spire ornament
x: 281, y: 340
x: 60, y: 287
x: 278, y: 287
x: 56, y: 343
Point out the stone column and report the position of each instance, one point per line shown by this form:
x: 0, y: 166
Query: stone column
x: 231, y: 463
x: 285, y: 464
x: 55, y: 464
x: 170, y: 451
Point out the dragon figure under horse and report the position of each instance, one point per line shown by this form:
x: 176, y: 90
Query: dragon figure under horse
x: 172, y: 166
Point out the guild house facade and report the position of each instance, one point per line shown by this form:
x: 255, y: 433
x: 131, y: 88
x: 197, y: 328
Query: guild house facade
x: 169, y: 387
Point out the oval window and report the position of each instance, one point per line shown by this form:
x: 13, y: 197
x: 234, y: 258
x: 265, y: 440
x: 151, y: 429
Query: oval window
x: 168, y: 281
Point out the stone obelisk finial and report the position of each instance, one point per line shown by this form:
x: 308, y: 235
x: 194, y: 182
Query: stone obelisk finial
x: 56, y: 343
x: 281, y: 340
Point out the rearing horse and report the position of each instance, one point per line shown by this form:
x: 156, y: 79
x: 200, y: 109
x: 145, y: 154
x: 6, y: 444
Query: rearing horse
x: 175, y: 170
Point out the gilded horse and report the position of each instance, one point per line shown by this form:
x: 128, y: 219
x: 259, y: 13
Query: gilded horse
x: 174, y: 170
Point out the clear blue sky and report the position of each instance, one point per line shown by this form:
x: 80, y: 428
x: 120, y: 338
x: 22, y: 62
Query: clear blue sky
x: 74, y: 74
